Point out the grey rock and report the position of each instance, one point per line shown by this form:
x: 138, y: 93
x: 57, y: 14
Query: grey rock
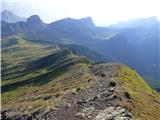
x: 122, y: 110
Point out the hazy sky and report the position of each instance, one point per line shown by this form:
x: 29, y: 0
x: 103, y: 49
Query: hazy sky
x: 103, y: 12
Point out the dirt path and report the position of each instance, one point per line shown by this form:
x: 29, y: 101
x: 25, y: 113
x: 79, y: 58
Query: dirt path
x: 99, y: 102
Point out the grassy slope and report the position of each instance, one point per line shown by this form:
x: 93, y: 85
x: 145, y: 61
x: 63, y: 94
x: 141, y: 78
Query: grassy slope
x: 145, y: 101
x: 48, y: 80
x: 28, y: 67
x: 15, y: 57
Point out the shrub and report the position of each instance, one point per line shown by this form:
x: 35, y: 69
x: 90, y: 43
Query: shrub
x: 78, y: 89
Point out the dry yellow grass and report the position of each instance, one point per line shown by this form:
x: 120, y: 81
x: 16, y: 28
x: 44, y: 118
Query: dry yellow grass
x: 145, y: 104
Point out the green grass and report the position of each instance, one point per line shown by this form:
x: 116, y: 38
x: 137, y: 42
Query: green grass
x: 9, y: 96
x: 144, y: 105
x: 33, y: 96
x: 16, y: 57
x: 131, y: 77
x: 31, y: 71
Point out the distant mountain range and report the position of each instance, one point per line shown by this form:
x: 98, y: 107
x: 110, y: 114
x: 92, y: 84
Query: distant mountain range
x: 11, y: 17
x: 132, y: 43
x: 139, y: 22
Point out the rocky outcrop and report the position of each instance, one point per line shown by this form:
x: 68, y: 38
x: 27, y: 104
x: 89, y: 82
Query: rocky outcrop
x: 114, y: 113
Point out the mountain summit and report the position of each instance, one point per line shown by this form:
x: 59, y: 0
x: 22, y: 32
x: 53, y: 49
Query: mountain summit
x: 87, y: 21
x: 76, y: 23
x: 10, y: 17
x: 35, y: 20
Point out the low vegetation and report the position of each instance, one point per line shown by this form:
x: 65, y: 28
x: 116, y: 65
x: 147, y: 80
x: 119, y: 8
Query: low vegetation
x: 145, y: 101
x: 31, y: 72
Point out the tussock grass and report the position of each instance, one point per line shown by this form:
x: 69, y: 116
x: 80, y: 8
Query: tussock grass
x: 145, y: 103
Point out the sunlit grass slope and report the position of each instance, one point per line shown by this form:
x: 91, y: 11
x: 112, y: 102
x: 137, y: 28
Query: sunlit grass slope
x: 145, y: 101
x: 29, y: 66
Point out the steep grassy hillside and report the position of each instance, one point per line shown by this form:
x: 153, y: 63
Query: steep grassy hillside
x: 27, y: 66
x: 145, y: 103
x: 17, y: 53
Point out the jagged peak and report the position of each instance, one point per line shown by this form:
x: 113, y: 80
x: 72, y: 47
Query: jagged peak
x: 11, y: 17
x: 34, y: 19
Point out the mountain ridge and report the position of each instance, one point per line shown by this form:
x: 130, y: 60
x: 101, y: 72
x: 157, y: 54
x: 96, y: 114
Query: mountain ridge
x: 58, y: 71
x: 111, y: 87
x: 100, y: 39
